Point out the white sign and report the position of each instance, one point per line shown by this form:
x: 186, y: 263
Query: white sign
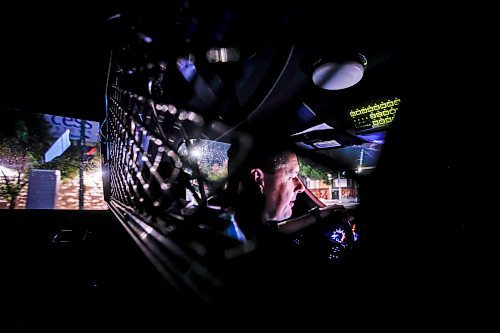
x: 60, y: 124
x: 58, y: 147
x: 343, y: 182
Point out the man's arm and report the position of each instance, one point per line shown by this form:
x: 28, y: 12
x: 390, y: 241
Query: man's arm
x: 291, y: 226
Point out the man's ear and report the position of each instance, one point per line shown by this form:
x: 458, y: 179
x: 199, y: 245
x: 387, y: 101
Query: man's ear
x: 258, y: 178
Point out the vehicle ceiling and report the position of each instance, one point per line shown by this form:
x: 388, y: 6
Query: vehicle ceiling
x: 56, y: 56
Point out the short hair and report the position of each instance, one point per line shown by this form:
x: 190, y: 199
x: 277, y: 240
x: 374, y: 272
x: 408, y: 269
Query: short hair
x: 267, y: 157
x: 269, y: 161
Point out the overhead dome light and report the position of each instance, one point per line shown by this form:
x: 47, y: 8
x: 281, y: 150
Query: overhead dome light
x: 334, y: 75
x: 223, y: 54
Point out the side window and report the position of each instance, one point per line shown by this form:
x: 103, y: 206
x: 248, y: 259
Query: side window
x: 50, y: 162
x: 212, y: 160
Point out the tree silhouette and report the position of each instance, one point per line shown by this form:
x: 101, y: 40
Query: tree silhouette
x: 12, y: 187
x: 313, y: 171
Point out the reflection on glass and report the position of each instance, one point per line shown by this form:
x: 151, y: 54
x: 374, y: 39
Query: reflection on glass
x: 211, y: 158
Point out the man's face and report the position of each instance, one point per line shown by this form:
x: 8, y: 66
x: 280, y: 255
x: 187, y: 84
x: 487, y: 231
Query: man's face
x: 280, y: 190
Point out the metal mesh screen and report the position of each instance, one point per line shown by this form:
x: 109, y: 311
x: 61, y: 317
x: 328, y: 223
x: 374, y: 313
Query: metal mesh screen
x: 146, y: 170
x: 148, y: 179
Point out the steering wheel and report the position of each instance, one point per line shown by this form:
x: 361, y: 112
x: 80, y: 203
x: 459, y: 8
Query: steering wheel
x: 330, y: 240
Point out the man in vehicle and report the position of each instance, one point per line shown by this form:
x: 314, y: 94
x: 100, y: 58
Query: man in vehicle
x: 263, y: 187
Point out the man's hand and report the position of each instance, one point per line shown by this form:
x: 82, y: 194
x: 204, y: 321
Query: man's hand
x: 315, y: 215
x: 336, y: 211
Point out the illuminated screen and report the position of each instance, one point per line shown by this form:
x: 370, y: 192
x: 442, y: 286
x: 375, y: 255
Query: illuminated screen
x: 377, y: 115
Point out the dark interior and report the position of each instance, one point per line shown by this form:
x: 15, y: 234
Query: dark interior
x: 72, y: 268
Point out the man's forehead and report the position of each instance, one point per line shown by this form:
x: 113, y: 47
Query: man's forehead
x: 293, y: 164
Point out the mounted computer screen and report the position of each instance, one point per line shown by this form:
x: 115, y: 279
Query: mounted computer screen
x: 376, y: 115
